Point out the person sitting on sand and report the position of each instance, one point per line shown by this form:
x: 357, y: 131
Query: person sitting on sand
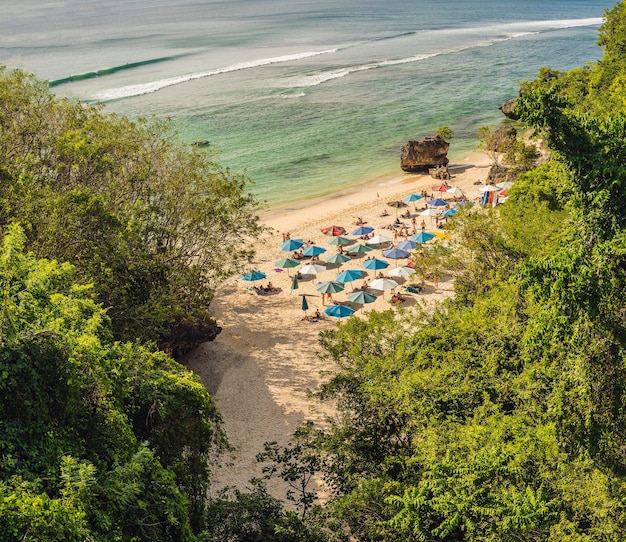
x: 359, y: 221
x: 385, y: 213
x: 318, y: 314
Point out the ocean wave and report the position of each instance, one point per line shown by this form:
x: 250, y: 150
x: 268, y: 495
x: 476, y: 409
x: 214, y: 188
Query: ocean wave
x: 107, y: 71
x: 153, y: 86
x: 514, y: 32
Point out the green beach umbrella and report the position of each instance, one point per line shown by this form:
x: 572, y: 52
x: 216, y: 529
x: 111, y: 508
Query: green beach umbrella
x: 359, y: 249
x: 338, y: 258
x: 340, y: 241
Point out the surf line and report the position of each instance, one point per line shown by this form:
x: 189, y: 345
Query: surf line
x: 107, y: 71
x: 146, y: 88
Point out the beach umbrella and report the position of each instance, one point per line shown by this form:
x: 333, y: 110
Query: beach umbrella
x: 407, y: 245
x: 291, y: 244
x: 441, y: 188
x: 378, y: 240
x: 504, y: 185
x: 305, y: 304
x: 340, y: 241
x: 294, y: 282
x: 339, y: 311
x: 253, y: 276
x: 396, y: 205
x: 338, y: 258
x: 349, y: 275
x: 362, y: 230
x: 454, y: 190
x: 437, y: 202
x: 374, y: 264
x: 442, y: 235
x: 423, y: 237
x: 313, y: 250
x: 361, y: 297
x: 395, y: 253
x: 333, y: 230
x: 504, y: 193
x: 488, y: 188
x: 383, y: 284
x: 403, y: 271
x: 464, y: 203
x: 287, y: 263
x: 359, y: 249
x: 430, y: 212
x: 449, y: 212
x: 412, y: 197
x: 329, y: 287
x: 312, y: 269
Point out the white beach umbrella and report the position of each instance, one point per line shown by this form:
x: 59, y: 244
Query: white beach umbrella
x: 383, y: 284
x: 312, y: 269
x: 454, y: 190
x: 488, y: 188
x: 504, y: 185
x: 403, y: 271
x: 378, y: 240
x: 430, y: 212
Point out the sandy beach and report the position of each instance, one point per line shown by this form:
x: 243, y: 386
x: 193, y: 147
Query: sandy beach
x: 263, y: 364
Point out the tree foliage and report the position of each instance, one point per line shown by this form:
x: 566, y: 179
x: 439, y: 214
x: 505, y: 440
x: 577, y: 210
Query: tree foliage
x: 90, y: 429
x: 154, y: 224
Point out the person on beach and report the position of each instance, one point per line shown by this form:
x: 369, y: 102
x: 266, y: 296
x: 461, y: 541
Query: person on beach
x: 423, y: 225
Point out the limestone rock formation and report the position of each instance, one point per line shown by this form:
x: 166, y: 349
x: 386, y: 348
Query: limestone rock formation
x: 507, y: 109
x: 418, y: 156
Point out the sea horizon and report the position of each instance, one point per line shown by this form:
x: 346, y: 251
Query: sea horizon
x: 307, y: 99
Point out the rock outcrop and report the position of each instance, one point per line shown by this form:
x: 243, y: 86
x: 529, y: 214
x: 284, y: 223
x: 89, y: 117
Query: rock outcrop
x: 419, y: 156
x: 507, y: 109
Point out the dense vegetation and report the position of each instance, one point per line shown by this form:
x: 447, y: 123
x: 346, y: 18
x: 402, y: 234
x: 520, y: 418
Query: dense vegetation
x: 152, y: 223
x: 115, y: 235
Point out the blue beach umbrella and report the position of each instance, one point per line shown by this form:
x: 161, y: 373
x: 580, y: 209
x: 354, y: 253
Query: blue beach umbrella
x: 374, y: 264
x: 412, y: 197
x: 305, y: 304
x: 338, y: 258
x: 253, y: 276
x: 349, y: 275
x: 437, y: 202
x: 407, y: 245
x: 361, y: 297
x: 339, y: 311
x: 362, y: 230
x: 314, y: 250
x: 449, y: 212
x: 423, y: 237
x: 395, y: 253
x: 291, y: 244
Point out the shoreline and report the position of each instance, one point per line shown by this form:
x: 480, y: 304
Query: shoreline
x: 288, y: 216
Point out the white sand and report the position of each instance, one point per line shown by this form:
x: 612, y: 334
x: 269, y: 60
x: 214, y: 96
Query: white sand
x: 260, y: 368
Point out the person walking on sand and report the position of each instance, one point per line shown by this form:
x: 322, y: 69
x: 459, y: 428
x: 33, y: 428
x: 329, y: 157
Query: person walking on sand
x: 423, y: 225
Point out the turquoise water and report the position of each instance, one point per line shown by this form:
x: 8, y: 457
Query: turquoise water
x: 307, y: 97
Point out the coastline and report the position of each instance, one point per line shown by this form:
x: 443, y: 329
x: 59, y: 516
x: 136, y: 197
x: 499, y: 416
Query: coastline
x: 263, y: 365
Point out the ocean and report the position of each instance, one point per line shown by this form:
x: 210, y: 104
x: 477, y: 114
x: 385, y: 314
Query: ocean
x: 308, y: 98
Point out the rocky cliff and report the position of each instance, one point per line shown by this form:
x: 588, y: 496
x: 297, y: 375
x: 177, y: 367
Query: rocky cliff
x: 418, y: 156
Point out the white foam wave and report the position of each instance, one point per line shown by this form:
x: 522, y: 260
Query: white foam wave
x: 153, y: 86
x: 514, y: 32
